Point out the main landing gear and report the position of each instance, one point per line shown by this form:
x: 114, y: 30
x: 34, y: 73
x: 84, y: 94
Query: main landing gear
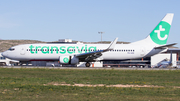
x: 88, y: 64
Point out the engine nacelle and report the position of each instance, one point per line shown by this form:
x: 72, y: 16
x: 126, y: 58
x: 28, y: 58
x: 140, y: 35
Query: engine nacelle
x: 68, y: 60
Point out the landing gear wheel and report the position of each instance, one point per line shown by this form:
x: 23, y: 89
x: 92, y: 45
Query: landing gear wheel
x: 88, y: 64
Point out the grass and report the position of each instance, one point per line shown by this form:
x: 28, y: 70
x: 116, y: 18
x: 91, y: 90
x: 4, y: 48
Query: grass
x: 28, y: 84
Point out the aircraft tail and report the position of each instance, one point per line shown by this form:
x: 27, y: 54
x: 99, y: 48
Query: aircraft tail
x: 160, y: 33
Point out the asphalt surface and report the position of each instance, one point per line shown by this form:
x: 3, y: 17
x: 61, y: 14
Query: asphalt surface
x: 108, y: 68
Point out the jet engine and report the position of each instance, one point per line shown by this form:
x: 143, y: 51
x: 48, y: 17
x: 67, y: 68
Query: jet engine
x: 68, y: 60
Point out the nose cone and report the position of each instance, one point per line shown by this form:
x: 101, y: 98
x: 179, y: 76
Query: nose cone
x: 5, y: 54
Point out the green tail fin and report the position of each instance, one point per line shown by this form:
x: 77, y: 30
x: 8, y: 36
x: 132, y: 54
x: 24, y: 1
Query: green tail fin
x: 161, y: 32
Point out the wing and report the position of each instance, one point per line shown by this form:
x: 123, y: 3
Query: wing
x: 93, y: 55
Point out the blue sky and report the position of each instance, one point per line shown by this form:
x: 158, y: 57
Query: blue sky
x: 50, y: 20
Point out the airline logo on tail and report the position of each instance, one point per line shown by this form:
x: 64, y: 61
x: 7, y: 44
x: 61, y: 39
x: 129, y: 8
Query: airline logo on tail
x: 160, y: 34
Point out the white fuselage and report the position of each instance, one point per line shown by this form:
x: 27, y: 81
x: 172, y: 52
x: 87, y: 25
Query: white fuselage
x: 52, y: 52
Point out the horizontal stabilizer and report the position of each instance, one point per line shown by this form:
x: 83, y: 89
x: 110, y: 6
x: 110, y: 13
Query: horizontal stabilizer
x: 165, y: 46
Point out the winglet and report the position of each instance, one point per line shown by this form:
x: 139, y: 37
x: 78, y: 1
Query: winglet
x: 112, y: 44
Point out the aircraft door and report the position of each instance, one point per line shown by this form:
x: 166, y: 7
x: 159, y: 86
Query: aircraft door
x: 23, y: 51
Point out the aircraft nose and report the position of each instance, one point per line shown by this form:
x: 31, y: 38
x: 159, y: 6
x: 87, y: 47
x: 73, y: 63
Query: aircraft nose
x: 5, y: 54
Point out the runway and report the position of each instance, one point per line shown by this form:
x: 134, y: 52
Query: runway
x: 106, y: 68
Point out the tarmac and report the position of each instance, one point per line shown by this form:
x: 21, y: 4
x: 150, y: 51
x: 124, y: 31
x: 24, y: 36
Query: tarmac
x: 106, y: 68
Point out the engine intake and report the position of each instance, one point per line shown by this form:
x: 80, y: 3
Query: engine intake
x: 68, y: 60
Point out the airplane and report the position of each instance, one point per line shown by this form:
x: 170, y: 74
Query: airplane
x: 67, y: 53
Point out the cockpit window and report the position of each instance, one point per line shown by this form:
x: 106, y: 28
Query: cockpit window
x: 11, y: 49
